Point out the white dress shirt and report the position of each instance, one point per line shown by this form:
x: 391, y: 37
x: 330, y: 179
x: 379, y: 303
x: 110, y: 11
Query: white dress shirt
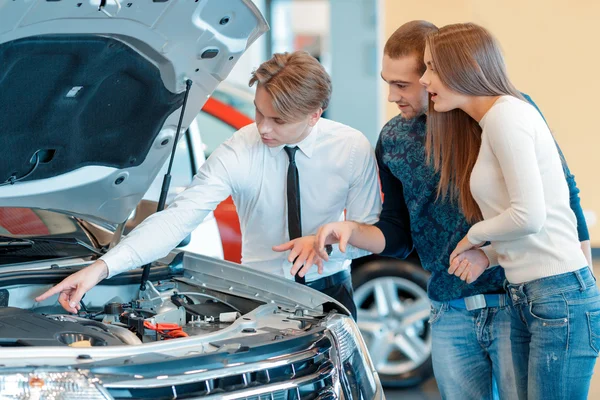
x: 337, y: 170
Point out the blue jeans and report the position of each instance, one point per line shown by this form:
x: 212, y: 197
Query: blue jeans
x: 471, y: 352
x: 555, y: 335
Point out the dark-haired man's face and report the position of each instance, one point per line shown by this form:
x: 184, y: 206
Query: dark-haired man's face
x: 402, y: 76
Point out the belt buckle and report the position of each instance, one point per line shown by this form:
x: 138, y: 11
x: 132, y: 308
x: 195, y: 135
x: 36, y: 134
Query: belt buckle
x: 475, y: 302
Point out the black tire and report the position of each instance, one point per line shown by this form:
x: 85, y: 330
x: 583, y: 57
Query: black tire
x: 373, y: 268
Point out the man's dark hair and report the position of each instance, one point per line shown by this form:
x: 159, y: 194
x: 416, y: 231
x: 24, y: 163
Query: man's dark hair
x: 409, y: 39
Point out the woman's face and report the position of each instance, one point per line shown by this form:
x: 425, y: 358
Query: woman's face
x: 444, y: 99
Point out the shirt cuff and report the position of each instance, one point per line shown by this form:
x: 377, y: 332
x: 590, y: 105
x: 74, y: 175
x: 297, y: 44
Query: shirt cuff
x: 491, y: 255
x: 118, y: 259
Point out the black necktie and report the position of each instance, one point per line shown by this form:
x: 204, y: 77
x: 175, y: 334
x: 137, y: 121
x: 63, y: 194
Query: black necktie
x: 293, y: 200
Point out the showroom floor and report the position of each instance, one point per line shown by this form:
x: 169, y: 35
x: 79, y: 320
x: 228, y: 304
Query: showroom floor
x: 427, y: 391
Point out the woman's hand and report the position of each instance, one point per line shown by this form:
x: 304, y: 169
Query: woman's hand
x: 461, y: 247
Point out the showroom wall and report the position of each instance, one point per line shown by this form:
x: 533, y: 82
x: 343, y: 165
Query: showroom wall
x: 357, y: 98
x: 552, y: 53
x: 345, y: 36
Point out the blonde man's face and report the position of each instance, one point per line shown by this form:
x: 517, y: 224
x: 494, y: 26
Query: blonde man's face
x: 274, y: 130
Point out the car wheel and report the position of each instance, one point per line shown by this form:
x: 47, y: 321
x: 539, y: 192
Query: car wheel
x: 393, y: 310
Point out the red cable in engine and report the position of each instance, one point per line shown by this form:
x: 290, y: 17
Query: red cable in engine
x: 166, y: 329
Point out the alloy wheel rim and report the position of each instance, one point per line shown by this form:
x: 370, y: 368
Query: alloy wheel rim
x: 392, y: 317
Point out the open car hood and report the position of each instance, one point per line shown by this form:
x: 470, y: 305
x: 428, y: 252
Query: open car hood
x: 91, y: 94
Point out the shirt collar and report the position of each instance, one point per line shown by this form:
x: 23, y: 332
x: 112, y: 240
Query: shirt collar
x: 306, y: 146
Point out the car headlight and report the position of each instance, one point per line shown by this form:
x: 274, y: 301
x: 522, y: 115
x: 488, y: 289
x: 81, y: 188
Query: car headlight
x: 68, y: 385
x: 357, y: 372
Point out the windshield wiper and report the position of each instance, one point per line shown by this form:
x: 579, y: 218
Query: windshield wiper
x: 11, y: 243
x: 14, y: 243
x: 74, y: 241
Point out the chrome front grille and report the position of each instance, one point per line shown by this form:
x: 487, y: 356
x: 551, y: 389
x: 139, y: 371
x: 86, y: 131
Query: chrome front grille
x: 308, y: 374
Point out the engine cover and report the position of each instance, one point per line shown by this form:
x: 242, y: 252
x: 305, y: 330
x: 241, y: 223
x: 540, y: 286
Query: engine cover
x: 20, y: 327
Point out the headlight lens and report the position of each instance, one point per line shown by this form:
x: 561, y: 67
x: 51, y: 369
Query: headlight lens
x: 70, y: 385
x: 357, y: 369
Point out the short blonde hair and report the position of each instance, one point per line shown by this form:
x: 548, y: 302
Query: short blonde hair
x: 297, y: 82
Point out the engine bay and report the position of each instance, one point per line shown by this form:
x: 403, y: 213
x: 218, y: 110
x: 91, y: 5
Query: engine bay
x: 167, y: 310
x: 20, y: 327
x: 218, y: 306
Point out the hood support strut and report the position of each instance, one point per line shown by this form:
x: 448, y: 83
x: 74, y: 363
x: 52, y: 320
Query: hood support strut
x: 167, y: 179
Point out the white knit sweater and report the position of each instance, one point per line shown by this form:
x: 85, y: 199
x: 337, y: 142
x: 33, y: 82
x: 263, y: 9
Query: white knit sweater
x: 518, y: 183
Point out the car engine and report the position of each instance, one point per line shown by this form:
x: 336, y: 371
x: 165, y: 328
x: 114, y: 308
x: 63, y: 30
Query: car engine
x: 25, y: 328
x: 168, y: 314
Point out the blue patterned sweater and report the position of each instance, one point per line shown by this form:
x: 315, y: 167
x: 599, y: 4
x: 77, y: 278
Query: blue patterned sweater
x: 412, y: 215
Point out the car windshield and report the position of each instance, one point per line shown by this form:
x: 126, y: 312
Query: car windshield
x: 30, y: 234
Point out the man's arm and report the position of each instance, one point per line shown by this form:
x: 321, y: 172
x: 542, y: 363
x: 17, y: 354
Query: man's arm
x: 389, y: 236
x: 161, y: 232
x: 575, y: 203
x: 394, y: 220
x: 158, y: 234
x: 574, y: 200
x: 362, y: 236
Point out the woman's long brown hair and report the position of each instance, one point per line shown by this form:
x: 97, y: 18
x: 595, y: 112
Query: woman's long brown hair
x: 468, y: 60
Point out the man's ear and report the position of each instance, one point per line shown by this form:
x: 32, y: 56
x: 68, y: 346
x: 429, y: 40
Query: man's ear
x: 314, y: 117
